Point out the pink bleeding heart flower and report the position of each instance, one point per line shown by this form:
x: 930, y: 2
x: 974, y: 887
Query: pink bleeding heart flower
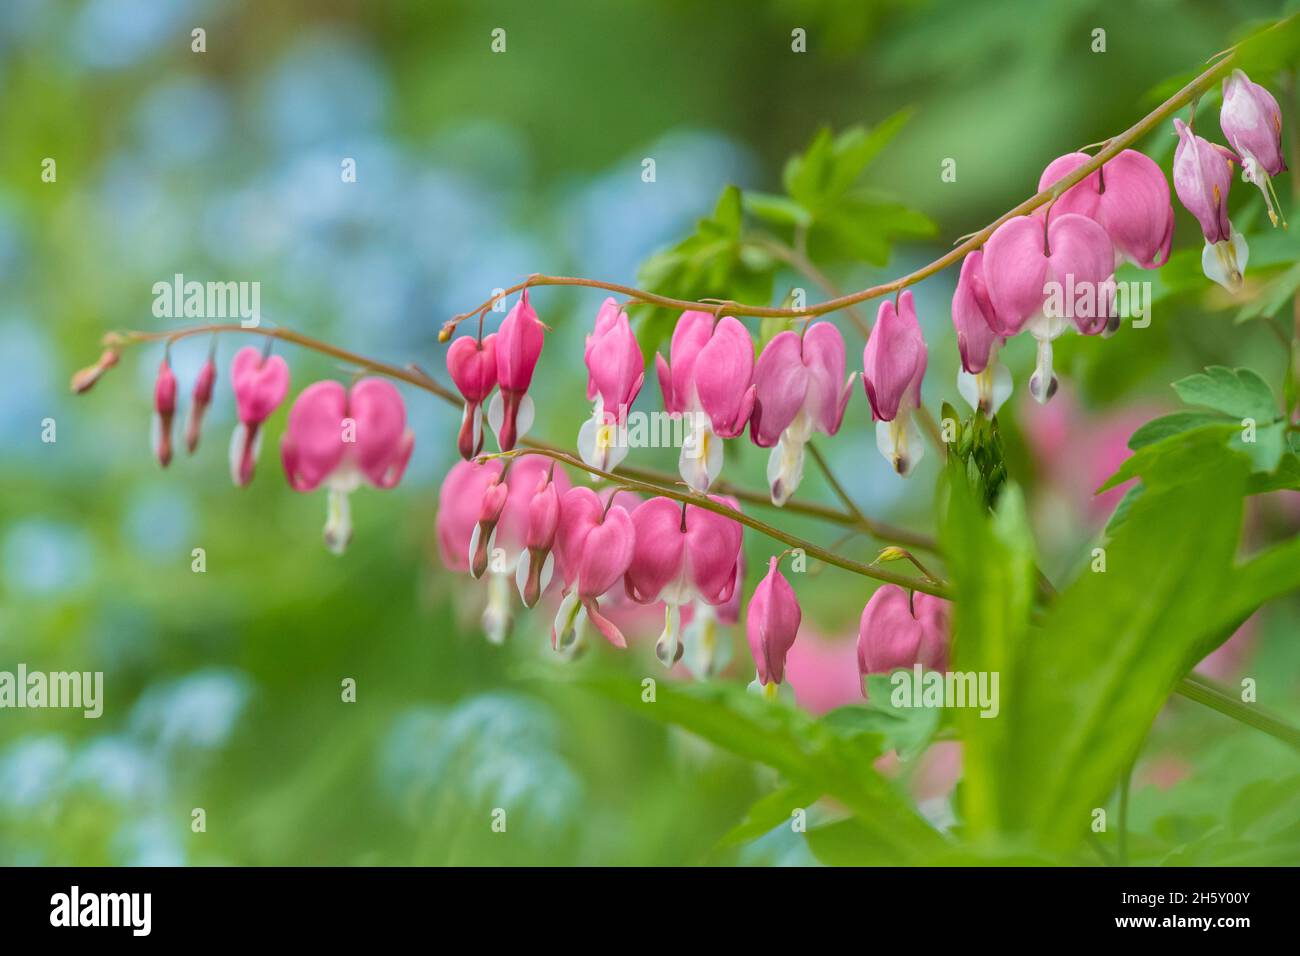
x: 518, y: 347
x: 615, y: 374
x: 771, y: 624
x: 200, y: 399
x: 536, y: 563
x: 706, y: 652
x: 472, y: 364
x: 459, y: 509
x: 485, y: 526
x: 1252, y: 124
x: 260, y: 383
x: 1046, y: 276
x: 899, y: 629
x: 596, y: 543
x: 800, y: 389
x: 342, y: 437
x: 893, y: 364
x: 491, y: 506
x: 164, y: 408
x: 684, y: 553
x: 983, y: 382
x: 710, y: 381
x: 1128, y: 197
x: 1202, y: 178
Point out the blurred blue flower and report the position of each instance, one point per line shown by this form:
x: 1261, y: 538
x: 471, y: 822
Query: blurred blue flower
x: 195, y: 712
x: 45, y: 557
x: 31, y: 771
x: 110, y: 34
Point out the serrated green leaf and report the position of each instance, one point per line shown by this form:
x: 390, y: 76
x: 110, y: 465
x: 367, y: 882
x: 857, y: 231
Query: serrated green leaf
x: 1158, y: 429
x: 1239, y: 392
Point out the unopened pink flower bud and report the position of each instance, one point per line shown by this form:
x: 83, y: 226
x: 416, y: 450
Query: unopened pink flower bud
x: 164, y: 407
x: 84, y: 379
x: 200, y: 399
x: 472, y: 365
x: 771, y: 624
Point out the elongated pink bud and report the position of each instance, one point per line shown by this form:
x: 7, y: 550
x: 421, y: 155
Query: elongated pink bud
x: 260, y: 383
x: 84, y: 379
x: 772, y: 623
x: 472, y: 365
x: 200, y: 399
x: 164, y: 406
x: 518, y: 348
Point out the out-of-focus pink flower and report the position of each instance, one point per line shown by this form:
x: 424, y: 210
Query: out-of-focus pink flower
x: 771, y: 624
x: 1252, y: 124
x: 823, y: 672
x: 710, y: 381
x: 518, y: 347
x: 1045, y: 276
x: 472, y: 364
x: 800, y: 389
x: 683, y: 553
x: 1225, y: 663
x: 1077, y: 452
x: 200, y: 399
x: 615, y: 374
x: 981, y: 381
x: 893, y: 364
x: 1202, y: 178
x: 341, y: 438
x: 260, y: 383
x: 164, y: 408
x: 1128, y: 197
x: 901, y: 630
x: 596, y: 543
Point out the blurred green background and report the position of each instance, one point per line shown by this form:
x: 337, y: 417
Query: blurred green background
x: 475, y: 169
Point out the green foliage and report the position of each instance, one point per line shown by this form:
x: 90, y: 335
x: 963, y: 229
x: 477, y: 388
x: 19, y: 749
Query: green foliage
x: 816, y: 757
x: 1081, y: 688
x: 978, y: 451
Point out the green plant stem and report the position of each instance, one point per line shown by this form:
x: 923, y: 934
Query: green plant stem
x: 1204, y: 691
x: 1125, y: 783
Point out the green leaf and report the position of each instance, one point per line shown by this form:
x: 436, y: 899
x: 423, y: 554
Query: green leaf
x: 1239, y: 392
x: 908, y: 730
x: 833, y: 164
x: 771, y: 812
x: 991, y: 562
x: 776, y: 210
x: 1159, y: 429
x: 811, y: 755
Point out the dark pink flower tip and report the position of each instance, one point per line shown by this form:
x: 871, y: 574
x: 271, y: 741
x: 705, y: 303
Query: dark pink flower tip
x: 772, y: 623
x: 260, y: 384
x: 1021, y: 258
x: 472, y: 365
x: 1252, y: 123
x: 518, y: 346
x: 615, y: 366
x: 893, y: 361
x: 164, y: 405
x: 344, y: 436
x: 459, y: 502
x: 1202, y: 178
x: 898, y: 630
x: 973, y: 315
